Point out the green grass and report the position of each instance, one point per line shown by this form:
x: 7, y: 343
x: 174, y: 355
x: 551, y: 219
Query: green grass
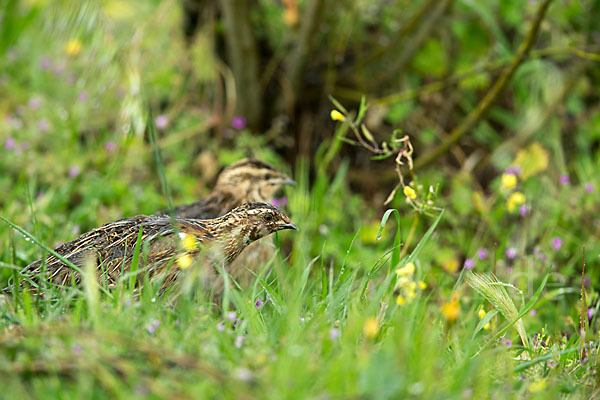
x: 328, y: 325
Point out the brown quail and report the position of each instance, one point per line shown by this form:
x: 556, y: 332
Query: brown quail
x: 167, y: 246
x: 247, y: 180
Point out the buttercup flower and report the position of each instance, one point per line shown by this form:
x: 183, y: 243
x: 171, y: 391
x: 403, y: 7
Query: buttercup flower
x: 337, y: 116
x: 185, y: 261
x: 514, y: 201
x: 73, y: 47
x: 508, y: 181
x: 409, y: 192
x: 451, y: 309
x: 408, y: 270
x: 371, y: 327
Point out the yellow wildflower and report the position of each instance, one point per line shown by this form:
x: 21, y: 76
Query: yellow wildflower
x: 73, y: 47
x: 450, y: 265
x: 537, y: 386
x: 514, y: 201
x: 400, y: 300
x: 451, y: 309
x: 422, y: 285
x: 411, y: 295
x: 509, y: 181
x: 371, y: 327
x: 409, y: 192
x: 189, y: 241
x: 337, y: 116
x: 185, y: 261
x: 481, y: 314
x: 407, y: 270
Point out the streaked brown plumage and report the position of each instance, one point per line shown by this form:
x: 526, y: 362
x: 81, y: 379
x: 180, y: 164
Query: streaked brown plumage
x: 247, y: 180
x: 111, y: 247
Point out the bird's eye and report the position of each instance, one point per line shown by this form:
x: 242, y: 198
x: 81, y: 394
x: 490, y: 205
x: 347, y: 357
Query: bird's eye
x: 267, y: 176
x: 268, y: 217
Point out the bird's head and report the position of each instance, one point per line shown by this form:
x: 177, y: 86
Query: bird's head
x: 258, y: 220
x: 252, y: 180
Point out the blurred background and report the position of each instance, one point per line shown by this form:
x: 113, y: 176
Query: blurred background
x: 228, y: 79
x: 498, y: 98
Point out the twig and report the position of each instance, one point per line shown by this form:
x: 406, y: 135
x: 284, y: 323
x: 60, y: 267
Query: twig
x: 475, y: 115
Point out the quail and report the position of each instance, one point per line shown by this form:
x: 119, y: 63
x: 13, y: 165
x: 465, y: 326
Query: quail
x: 170, y: 245
x: 248, y: 180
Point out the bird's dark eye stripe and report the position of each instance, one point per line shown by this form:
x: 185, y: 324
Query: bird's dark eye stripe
x: 267, y: 176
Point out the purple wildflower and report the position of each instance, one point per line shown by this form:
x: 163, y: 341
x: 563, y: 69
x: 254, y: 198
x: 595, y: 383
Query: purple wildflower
x: 523, y: 210
x: 259, y: 303
x: 511, y: 252
x: 508, y: 342
x: 161, y: 121
x: 564, y: 179
x: 539, y: 254
x: 76, y: 349
x: 9, y: 143
x: 469, y: 263
x: 556, y: 243
x: 220, y: 327
x: 58, y: 69
x: 83, y: 96
x: 231, y: 316
x: 45, y: 63
x: 334, y: 333
x: 16, y: 123
x: 153, y: 326
x: 302, y: 319
x: 590, y: 313
x: 73, y: 171
x: 552, y: 363
x: 238, y: 123
x: 110, y: 146
x: 589, y: 187
x: 43, y: 126
x: 513, y: 170
x: 482, y: 253
x: 239, y: 340
x: 522, y: 378
x: 237, y: 322
x: 282, y: 202
x: 586, y: 282
x: 533, y: 313
x: 35, y: 103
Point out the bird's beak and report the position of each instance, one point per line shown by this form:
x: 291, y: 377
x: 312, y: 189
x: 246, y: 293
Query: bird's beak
x: 289, y: 225
x: 289, y: 181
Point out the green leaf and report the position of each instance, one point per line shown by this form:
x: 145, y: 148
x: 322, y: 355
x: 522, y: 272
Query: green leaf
x: 337, y: 104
